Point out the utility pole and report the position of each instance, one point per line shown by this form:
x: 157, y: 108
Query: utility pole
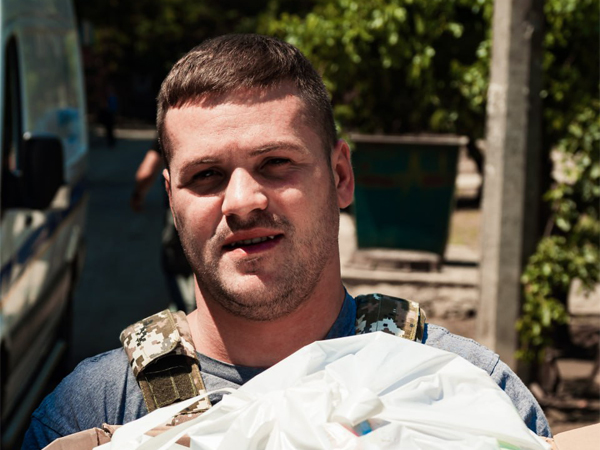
x: 511, y: 194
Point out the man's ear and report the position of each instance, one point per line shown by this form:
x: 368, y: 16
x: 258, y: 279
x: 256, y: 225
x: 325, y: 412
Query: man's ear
x: 342, y: 173
x: 167, y: 177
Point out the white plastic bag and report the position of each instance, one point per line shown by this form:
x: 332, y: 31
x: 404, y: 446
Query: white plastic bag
x: 326, y: 395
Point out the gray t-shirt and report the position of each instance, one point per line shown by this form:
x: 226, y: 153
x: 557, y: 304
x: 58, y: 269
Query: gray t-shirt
x: 102, y: 389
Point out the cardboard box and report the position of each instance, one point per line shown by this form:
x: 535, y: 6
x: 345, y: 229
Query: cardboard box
x: 585, y: 438
x: 88, y: 439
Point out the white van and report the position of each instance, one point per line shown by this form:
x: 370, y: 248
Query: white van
x: 42, y: 198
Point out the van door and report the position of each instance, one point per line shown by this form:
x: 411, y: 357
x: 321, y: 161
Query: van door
x: 42, y: 198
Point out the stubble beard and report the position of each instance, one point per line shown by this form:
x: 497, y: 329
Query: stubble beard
x: 297, y: 276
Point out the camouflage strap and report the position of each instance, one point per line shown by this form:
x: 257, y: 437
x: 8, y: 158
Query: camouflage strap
x: 377, y: 312
x: 164, y: 362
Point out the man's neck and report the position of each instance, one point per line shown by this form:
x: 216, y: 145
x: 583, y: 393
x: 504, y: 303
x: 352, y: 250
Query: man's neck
x: 235, y: 340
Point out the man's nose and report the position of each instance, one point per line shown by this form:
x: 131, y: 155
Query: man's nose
x: 243, y: 194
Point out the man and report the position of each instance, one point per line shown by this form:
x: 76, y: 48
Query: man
x: 255, y: 176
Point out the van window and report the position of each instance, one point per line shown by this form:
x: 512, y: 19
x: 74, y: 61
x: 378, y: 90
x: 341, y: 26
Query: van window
x: 12, y: 131
x: 52, y: 86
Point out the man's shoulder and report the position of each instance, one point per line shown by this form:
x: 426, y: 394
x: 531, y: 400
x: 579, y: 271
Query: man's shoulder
x: 99, y: 372
x: 477, y: 354
x: 105, y: 374
x: 113, y: 358
x: 484, y: 358
x: 97, y: 382
x: 101, y: 389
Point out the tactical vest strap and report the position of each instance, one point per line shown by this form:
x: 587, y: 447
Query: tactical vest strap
x: 377, y: 312
x: 164, y: 362
x: 163, y: 359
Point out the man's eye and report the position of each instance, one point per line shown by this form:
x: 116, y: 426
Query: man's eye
x: 277, y: 161
x: 205, y: 174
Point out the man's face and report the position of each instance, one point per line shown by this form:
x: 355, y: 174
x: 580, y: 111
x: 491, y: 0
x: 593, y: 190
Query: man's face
x: 255, y: 200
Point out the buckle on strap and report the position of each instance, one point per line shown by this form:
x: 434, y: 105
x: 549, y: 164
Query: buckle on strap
x: 397, y: 316
x: 163, y: 360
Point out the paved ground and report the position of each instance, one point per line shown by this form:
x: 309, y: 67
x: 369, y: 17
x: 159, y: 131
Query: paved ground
x: 122, y: 281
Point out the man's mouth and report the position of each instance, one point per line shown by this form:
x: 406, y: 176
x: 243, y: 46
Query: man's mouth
x: 253, y: 241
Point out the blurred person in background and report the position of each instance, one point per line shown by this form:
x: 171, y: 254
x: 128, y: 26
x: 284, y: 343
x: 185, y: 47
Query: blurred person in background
x: 178, y: 274
x: 108, y: 115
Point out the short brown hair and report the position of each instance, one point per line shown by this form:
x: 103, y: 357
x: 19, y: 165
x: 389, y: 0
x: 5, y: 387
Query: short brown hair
x: 244, y: 61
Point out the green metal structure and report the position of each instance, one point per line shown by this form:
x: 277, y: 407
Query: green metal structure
x: 405, y: 190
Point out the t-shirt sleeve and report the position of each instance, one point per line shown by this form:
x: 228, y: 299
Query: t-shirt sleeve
x: 528, y: 407
x: 100, y: 390
x: 482, y: 357
x: 38, y: 435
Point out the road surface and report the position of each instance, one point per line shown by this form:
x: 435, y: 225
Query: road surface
x: 121, y: 281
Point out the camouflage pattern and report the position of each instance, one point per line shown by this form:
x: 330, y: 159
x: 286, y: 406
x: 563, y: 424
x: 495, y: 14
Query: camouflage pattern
x: 402, y: 318
x: 163, y: 359
x: 191, y: 412
x: 156, y: 336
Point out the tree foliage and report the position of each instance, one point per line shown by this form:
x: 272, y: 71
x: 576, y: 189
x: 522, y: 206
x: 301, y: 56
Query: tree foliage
x: 570, y: 248
x: 396, y: 65
x: 135, y: 43
x: 570, y: 251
